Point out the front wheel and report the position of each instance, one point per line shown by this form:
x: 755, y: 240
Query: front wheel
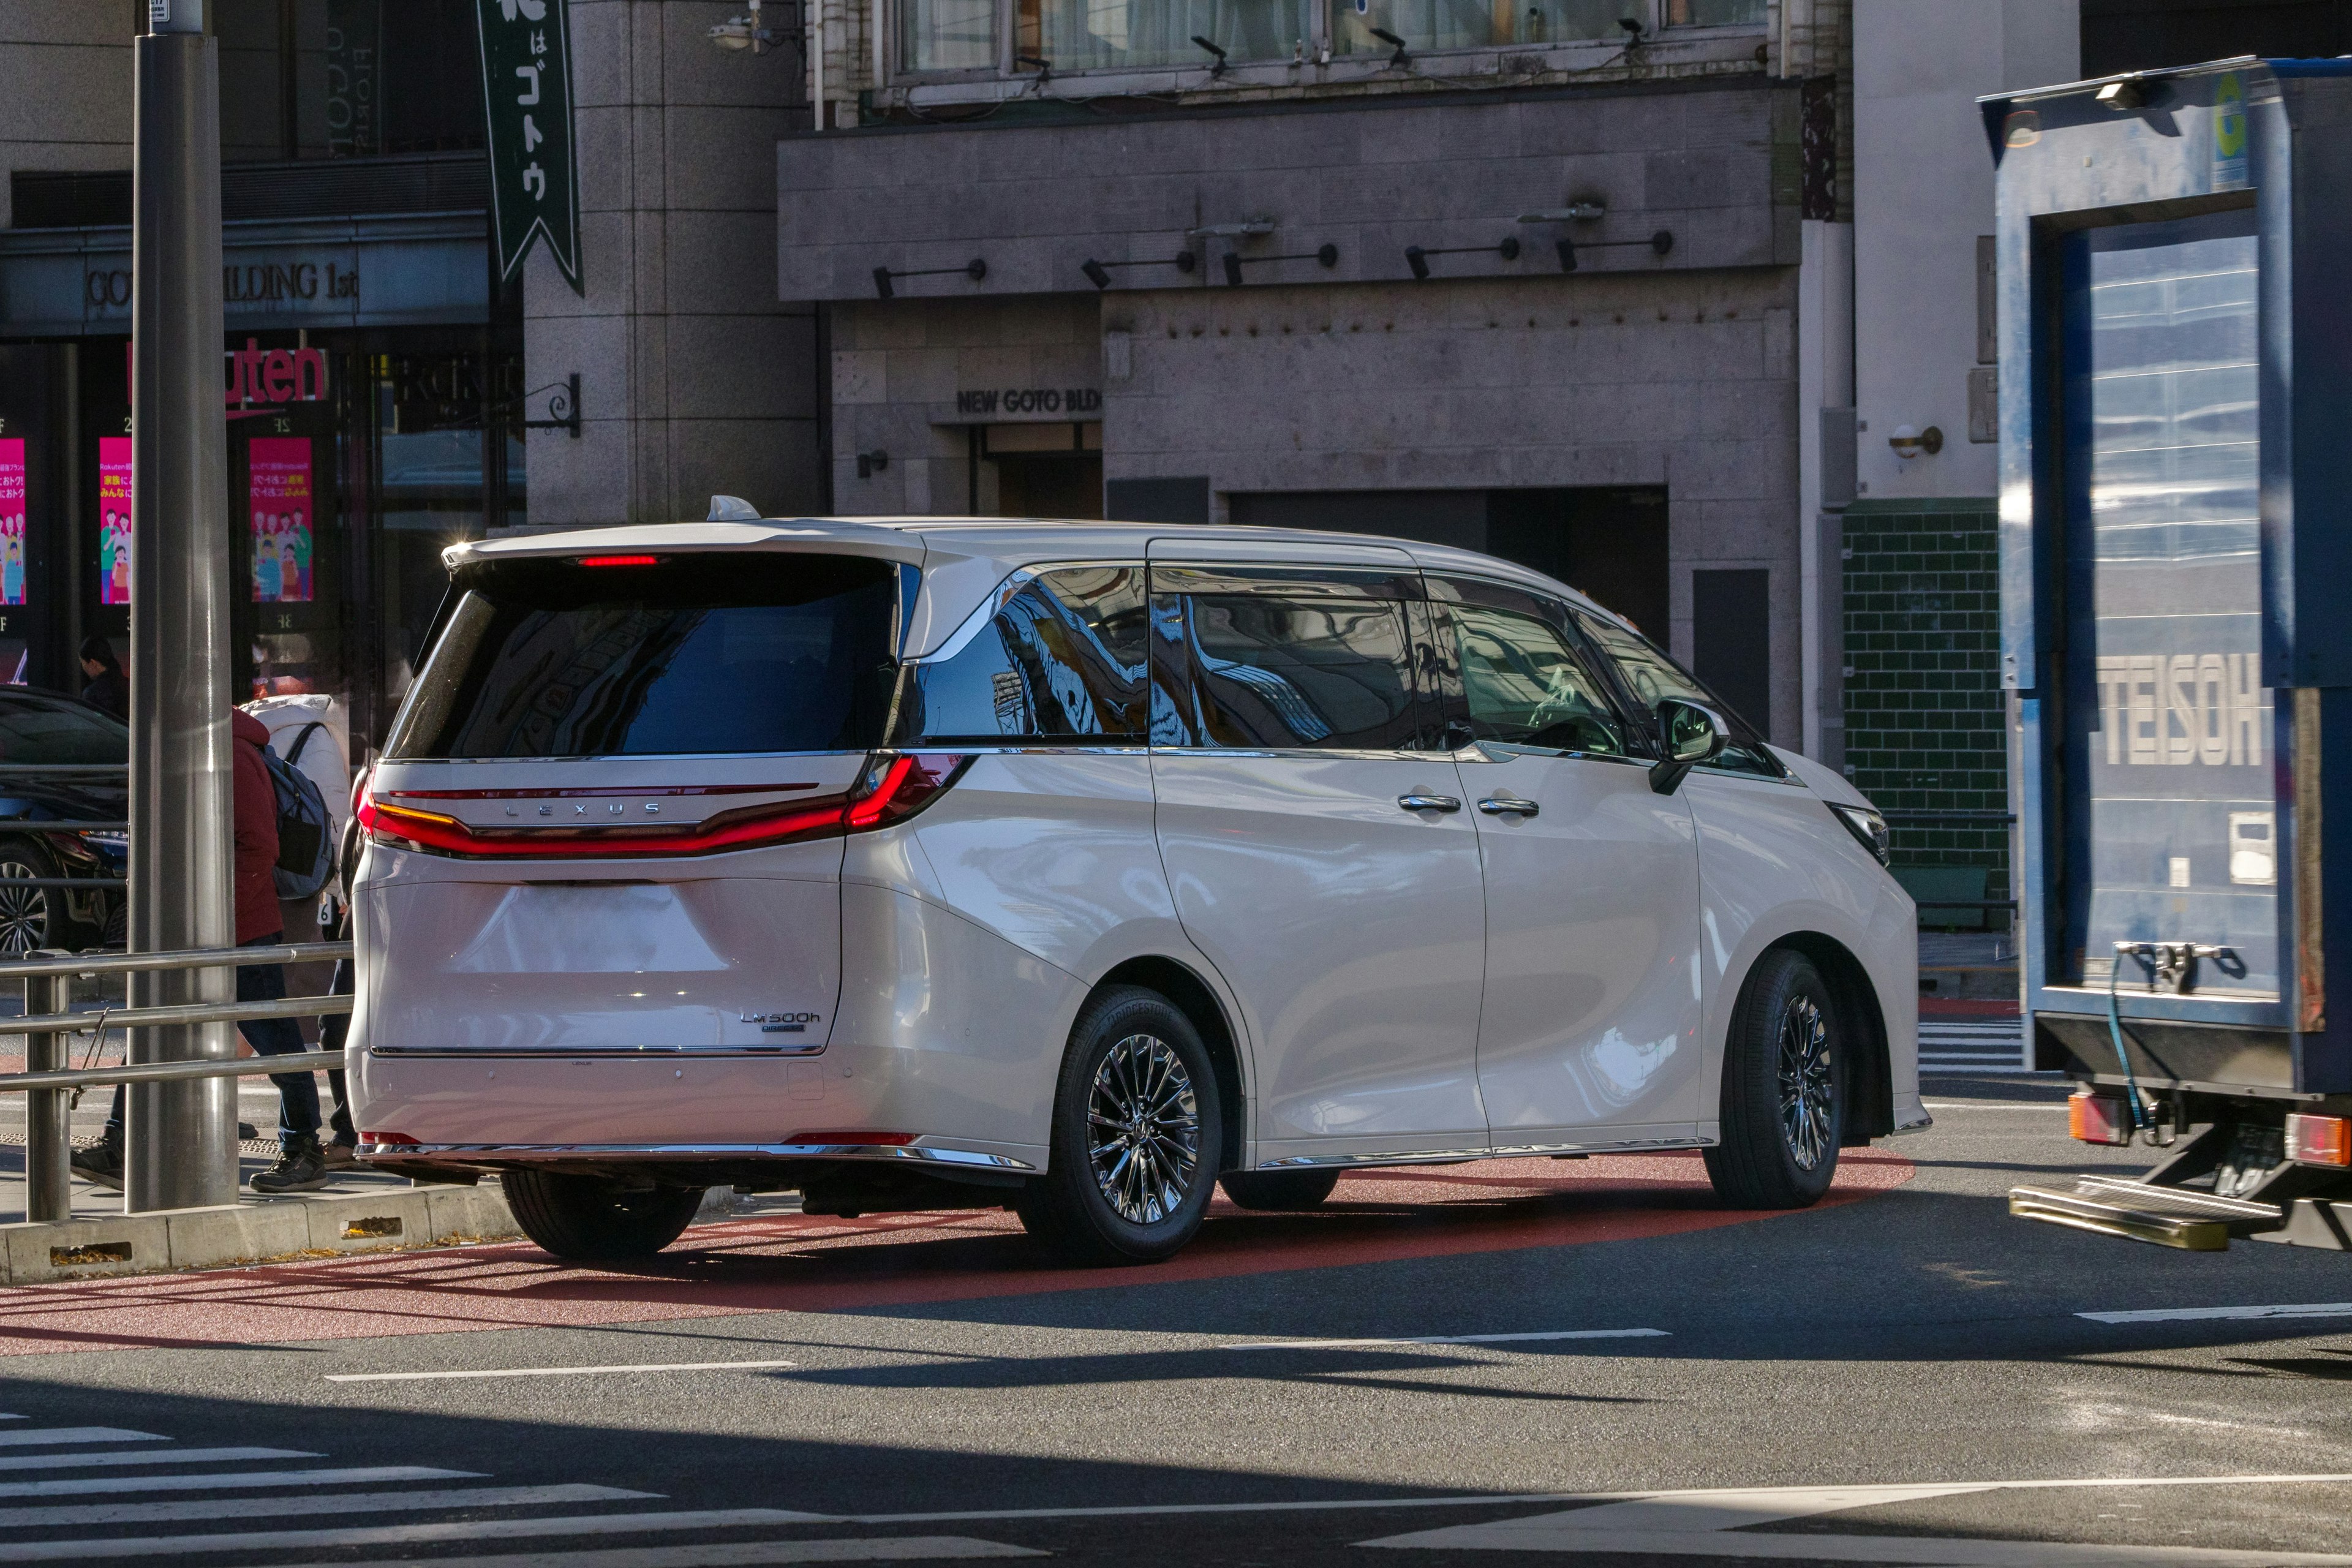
x: 590, y: 1219
x: 1784, y: 1088
x: 1136, y: 1135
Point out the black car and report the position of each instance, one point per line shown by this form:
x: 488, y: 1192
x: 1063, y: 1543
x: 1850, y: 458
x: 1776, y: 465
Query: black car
x: 46, y: 729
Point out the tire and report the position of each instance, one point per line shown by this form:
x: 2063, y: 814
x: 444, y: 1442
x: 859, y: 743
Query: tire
x: 1279, y: 1192
x: 1134, y: 1061
x: 1784, y: 1088
x: 591, y: 1220
x: 31, y: 917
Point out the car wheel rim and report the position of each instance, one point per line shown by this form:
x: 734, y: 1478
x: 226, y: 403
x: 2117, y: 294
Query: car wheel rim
x: 24, y: 911
x: 1143, y: 1130
x: 1808, y: 1089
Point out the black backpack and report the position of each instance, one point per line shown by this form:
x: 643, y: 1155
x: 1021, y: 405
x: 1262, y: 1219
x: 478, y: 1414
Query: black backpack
x: 305, y: 847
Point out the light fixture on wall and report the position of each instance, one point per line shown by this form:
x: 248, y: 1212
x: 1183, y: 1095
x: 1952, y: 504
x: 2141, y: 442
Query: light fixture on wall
x: 1219, y: 68
x: 1399, y: 60
x: 746, y: 33
x: 1325, y: 254
x: 871, y: 463
x: 2121, y: 95
x: 1044, y: 67
x: 974, y: 269
x: 1660, y: 243
x: 1099, y: 272
x: 1908, y: 443
x: 1577, y: 211
x: 1417, y: 257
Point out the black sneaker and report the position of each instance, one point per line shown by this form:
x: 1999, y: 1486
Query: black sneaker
x: 101, y: 1164
x: 299, y: 1169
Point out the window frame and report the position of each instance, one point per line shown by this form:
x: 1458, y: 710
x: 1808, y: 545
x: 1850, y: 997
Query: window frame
x: 1512, y: 599
x: 984, y: 616
x: 1743, y: 736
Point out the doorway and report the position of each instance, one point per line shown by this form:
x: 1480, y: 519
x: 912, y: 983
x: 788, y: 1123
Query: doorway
x: 1037, y: 470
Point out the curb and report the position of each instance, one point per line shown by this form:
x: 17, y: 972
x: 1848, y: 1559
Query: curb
x: 268, y: 1230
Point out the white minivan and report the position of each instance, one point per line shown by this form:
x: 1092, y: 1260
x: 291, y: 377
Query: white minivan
x: 1082, y: 868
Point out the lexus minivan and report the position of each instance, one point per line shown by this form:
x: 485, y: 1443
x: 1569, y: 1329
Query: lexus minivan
x: 1082, y: 870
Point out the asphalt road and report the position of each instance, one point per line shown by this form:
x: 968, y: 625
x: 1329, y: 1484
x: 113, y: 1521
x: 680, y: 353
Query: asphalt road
x: 949, y: 1397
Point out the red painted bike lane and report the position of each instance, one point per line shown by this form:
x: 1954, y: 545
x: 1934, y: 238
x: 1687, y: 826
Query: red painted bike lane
x: 796, y: 1263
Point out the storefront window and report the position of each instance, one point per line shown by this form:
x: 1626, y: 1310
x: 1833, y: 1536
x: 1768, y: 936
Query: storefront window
x: 1478, y: 23
x: 1082, y: 35
x: 1713, y: 13
x: 946, y: 34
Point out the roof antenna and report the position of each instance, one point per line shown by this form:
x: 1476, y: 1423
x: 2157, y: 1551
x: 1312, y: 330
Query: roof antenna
x: 731, y: 509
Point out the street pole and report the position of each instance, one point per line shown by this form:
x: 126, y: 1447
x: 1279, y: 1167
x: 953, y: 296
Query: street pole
x: 181, y: 1139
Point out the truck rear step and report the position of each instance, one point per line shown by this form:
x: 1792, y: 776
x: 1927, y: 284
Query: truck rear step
x: 2168, y: 1216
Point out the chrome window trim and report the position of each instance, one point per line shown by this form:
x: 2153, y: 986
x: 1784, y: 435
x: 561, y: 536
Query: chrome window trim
x: 481, y: 1154
x: 587, y: 1053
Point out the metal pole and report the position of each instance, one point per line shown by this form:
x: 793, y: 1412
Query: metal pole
x: 181, y: 1146
x: 49, y: 1134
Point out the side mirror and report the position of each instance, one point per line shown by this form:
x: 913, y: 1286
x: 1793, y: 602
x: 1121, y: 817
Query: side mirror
x: 1691, y: 735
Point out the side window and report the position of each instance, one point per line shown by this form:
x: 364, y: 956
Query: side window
x: 1325, y: 672
x: 1063, y: 660
x: 1651, y: 678
x: 1524, y: 685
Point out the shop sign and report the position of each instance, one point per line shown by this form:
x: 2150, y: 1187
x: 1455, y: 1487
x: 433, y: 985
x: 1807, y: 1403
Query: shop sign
x: 1052, y: 401
x: 527, y: 101
x: 278, y: 497
x: 270, y: 377
x: 12, y: 521
x: 114, y: 519
x: 281, y: 283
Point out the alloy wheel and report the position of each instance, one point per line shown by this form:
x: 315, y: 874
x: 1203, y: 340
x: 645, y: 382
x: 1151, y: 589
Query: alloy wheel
x: 1808, y: 1087
x: 1144, y: 1141
x: 24, y: 911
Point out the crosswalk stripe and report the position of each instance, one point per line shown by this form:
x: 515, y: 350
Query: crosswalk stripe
x: 52, y: 1436
x: 148, y: 1457
x: 738, y: 1554
x: 339, y: 1503
x: 222, y: 1481
x: 83, y: 1546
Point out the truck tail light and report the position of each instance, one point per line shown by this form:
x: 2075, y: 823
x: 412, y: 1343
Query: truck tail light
x: 2098, y: 1118
x: 2319, y: 1140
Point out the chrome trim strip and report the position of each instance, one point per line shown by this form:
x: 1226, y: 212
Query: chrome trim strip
x: 476, y: 1154
x: 563, y: 1053
x: 1500, y: 1151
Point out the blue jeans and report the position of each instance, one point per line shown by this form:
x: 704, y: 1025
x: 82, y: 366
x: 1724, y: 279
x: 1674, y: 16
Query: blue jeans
x: 297, y: 1092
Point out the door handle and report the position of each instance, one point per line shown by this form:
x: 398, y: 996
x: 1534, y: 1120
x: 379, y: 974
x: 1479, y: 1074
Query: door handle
x: 1503, y: 805
x: 1429, y: 803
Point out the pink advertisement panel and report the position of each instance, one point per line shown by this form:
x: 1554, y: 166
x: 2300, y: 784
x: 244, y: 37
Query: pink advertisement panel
x: 114, y: 519
x: 11, y: 521
x: 277, y: 499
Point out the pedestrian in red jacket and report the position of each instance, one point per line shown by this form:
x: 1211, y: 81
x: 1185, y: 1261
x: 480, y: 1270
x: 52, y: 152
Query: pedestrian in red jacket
x: 299, y: 1166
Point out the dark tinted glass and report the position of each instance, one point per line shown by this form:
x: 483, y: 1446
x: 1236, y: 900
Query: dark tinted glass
x: 1063, y: 660
x: 35, y: 729
x: 1652, y: 677
x: 735, y: 654
x: 1524, y: 685
x: 1265, y: 671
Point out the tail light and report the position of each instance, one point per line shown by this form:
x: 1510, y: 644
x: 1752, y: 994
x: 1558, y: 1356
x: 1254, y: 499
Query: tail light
x: 2319, y: 1140
x: 2098, y: 1118
x: 895, y: 788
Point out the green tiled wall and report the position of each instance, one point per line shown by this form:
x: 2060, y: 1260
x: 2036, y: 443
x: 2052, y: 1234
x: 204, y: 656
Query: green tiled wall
x: 1923, y: 711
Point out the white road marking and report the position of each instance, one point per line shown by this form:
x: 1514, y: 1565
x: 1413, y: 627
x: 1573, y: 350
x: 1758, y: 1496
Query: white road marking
x: 47, y: 1436
x: 110, y: 1486
x: 553, y: 1371
x: 1447, y: 1339
x: 338, y: 1503
x: 2211, y: 1314
x: 741, y: 1554
x: 400, y: 1534
x: 148, y: 1457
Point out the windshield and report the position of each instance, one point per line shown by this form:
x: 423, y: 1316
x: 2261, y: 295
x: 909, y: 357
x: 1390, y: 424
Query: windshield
x: 55, y: 730
x: 735, y: 654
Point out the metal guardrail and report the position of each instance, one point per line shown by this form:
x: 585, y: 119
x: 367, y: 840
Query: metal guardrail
x: 48, y: 1081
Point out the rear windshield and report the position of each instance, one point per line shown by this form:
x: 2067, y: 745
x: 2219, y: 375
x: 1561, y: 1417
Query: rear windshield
x: 704, y: 655
x: 53, y: 729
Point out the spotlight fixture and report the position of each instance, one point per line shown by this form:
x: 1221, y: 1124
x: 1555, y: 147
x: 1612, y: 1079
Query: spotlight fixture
x: 2121, y: 95
x: 1575, y: 211
x: 974, y: 269
x: 1044, y: 67
x: 1908, y: 443
x: 1659, y: 244
x: 1099, y: 272
x: 1219, y: 68
x: 1417, y: 257
x: 871, y: 463
x: 1635, y: 30
x: 1399, y: 60
x: 1325, y: 256
x: 746, y: 33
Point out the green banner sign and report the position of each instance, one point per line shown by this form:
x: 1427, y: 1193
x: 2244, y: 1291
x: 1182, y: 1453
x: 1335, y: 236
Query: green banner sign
x: 527, y: 99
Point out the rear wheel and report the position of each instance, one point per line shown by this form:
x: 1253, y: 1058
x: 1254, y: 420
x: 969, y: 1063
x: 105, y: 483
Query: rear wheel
x: 592, y: 1219
x: 1784, y: 1088
x: 1279, y: 1192
x: 30, y: 917
x: 1136, y: 1138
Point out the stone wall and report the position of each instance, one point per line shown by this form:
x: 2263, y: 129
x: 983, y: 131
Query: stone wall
x: 66, y: 86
